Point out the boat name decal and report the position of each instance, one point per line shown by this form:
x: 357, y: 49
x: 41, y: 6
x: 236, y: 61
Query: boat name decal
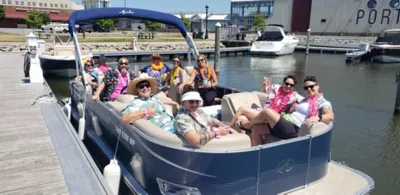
x: 125, y: 136
x: 285, y: 166
x: 123, y: 12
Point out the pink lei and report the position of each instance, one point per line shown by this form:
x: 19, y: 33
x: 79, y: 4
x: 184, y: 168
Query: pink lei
x: 279, y: 102
x: 313, y: 105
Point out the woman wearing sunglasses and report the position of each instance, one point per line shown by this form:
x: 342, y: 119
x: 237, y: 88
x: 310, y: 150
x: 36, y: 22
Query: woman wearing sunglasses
x: 146, y: 105
x: 193, y: 125
x: 157, y: 69
x: 93, y: 76
x: 314, y: 108
x: 204, y: 79
x: 115, y: 81
x: 279, y: 99
x: 177, y: 68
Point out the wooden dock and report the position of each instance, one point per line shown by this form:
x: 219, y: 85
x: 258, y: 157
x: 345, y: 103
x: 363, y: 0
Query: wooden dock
x: 39, y: 151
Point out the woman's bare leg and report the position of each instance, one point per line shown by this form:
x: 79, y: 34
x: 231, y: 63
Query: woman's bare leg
x: 249, y: 113
x: 267, y: 115
x: 258, y: 132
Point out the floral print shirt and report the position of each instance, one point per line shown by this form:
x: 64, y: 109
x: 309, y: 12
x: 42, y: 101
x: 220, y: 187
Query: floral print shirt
x: 184, y: 122
x: 161, y: 119
x: 156, y: 73
x: 111, y: 81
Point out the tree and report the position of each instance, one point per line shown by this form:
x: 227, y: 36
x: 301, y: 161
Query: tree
x: 34, y: 18
x: 106, y: 24
x: 186, y: 21
x: 2, y: 13
x: 259, y: 21
x: 152, y: 25
x: 45, y: 17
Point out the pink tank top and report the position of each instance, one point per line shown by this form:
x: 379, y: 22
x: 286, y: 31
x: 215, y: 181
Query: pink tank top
x: 104, y: 68
x: 122, y: 82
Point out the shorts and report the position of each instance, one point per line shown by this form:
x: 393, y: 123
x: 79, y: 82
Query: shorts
x: 284, y: 129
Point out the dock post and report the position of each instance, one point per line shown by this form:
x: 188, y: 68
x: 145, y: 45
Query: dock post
x: 397, y: 104
x: 308, y: 41
x: 217, y: 47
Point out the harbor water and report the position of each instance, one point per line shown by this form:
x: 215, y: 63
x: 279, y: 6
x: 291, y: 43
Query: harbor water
x: 366, y: 134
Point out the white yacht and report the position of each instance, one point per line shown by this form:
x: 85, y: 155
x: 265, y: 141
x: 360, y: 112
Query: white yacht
x: 274, y: 41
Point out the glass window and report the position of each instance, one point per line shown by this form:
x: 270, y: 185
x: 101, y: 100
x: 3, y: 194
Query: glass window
x: 66, y: 6
x: 29, y: 3
x: 22, y: 3
x: 40, y: 4
x: 45, y: 4
x: 4, y: 1
x: 62, y: 5
x: 16, y: 2
x: 51, y: 5
x: 9, y: 2
x: 33, y: 3
x: 55, y: 5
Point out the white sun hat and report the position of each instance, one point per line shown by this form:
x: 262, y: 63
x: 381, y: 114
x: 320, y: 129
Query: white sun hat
x: 193, y: 95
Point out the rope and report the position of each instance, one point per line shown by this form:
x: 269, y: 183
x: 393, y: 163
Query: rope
x: 49, y: 98
x: 119, y: 137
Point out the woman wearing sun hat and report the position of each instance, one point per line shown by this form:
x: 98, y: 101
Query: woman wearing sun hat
x: 193, y: 125
x: 146, y: 105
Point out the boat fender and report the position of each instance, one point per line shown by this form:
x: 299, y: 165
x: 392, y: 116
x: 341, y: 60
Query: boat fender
x: 67, y: 107
x: 81, y: 128
x: 27, y: 64
x: 112, y: 175
x: 137, y: 166
x: 80, y: 109
x: 96, y: 126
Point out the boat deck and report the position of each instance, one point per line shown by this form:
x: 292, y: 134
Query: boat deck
x: 39, y: 151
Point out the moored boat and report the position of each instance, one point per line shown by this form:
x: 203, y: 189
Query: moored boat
x: 154, y: 161
x: 386, y: 48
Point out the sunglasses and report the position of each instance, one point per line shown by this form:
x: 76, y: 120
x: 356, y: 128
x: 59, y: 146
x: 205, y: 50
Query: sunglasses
x: 155, y: 58
x: 143, y: 85
x: 200, y: 60
x: 124, y: 63
x: 309, y: 87
x: 90, y: 65
x: 176, y: 61
x: 194, y: 102
x: 289, y: 84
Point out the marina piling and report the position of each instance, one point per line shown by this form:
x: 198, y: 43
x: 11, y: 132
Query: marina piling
x: 217, y: 46
x: 308, y: 41
x: 397, y: 104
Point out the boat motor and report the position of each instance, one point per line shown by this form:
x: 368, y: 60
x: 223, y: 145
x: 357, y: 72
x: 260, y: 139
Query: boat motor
x: 35, y: 69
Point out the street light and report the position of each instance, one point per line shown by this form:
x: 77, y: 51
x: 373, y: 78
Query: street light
x: 206, y: 37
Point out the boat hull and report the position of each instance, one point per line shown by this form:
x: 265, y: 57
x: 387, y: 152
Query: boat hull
x: 272, y: 48
x: 61, y: 66
x: 385, y: 53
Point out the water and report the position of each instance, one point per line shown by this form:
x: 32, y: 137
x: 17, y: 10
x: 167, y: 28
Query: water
x: 366, y: 134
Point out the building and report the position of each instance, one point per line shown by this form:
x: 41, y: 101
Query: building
x: 198, y: 20
x: 17, y: 10
x: 243, y: 11
x: 90, y: 4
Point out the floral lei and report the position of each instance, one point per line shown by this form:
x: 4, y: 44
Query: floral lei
x: 174, y: 74
x: 313, y: 105
x: 157, y: 67
x: 278, y: 103
x: 208, y: 74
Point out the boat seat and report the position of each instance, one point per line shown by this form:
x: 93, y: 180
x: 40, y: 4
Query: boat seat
x: 184, y: 75
x: 229, y: 142
x: 64, y: 50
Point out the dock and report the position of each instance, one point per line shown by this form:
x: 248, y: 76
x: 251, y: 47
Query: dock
x: 40, y: 152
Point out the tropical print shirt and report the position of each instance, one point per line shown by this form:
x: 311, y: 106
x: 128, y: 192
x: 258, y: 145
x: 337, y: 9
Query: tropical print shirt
x: 111, y: 81
x: 157, y: 74
x: 161, y: 119
x: 185, y: 122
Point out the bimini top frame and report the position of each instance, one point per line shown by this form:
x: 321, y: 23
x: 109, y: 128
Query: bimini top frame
x: 105, y: 13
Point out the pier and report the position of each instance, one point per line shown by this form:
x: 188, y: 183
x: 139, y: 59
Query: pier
x: 40, y: 152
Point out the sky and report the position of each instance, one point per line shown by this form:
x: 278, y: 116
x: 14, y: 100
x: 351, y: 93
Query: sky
x: 216, y: 6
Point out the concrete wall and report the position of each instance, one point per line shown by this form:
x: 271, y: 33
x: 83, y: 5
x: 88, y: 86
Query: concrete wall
x: 353, y: 16
x: 282, y: 13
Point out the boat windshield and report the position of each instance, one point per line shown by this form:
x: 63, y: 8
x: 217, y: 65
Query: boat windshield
x: 272, y: 34
x: 391, y: 37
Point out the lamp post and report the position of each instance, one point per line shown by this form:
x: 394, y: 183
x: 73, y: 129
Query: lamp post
x: 206, y: 37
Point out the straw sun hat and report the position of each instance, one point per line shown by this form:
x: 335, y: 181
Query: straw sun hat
x: 132, y: 89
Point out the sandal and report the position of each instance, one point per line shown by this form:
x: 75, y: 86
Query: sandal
x: 240, y: 126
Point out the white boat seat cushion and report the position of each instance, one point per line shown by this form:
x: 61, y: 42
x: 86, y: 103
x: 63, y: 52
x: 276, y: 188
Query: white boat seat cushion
x: 232, y: 102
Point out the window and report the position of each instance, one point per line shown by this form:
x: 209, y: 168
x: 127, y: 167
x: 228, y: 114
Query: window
x: 323, y: 20
x: 66, y: 6
x: 9, y: 2
x: 16, y: 2
x: 45, y: 4
x: 33, y: 3
x: 22, y: 3
x: 55, y: 5
x: 62, y: 5
x: 40, y: 4
x: 4, y: 1
x: 29, y: 3
x: 51, y: 5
